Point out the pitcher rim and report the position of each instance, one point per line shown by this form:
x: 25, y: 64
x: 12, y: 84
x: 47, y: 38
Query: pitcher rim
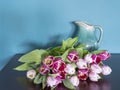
x: 85, y: 24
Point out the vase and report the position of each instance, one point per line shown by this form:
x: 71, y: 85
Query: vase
x: 86, y: 35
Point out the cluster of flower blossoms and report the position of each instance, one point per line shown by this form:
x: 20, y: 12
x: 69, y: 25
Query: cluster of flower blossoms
x: 90, y: 66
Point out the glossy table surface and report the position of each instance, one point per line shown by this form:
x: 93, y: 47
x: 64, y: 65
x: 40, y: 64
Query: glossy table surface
x: 14, y: 80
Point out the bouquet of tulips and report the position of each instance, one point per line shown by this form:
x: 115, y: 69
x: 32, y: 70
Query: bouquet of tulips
x: 69, y: 64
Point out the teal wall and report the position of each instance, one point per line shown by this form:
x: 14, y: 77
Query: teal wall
x: 29, y: 24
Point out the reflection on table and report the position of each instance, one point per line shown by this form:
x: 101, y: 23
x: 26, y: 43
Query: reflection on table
x: 84, y: 85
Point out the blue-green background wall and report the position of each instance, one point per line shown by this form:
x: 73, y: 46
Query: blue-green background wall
x: 29, y: 24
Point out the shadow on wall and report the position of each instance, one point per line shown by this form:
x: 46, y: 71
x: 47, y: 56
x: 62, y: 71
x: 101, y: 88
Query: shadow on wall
x: 53, y: 41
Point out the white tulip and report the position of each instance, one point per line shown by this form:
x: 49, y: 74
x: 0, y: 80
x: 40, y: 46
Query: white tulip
x: 53, y: 81
x: 74, y: 80
x: 88, y: 58
x: 70, y: 69
x: 94, y: 76
x: 31, y: 74
x: 106, y: 70
x: 96, y: 68
x: 81, y: 64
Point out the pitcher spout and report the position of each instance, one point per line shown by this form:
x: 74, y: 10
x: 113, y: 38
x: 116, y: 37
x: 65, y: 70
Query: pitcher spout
x: 84, y: 25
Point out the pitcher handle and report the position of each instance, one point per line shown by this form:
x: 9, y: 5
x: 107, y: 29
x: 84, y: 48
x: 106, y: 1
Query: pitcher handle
x: 101, y: 33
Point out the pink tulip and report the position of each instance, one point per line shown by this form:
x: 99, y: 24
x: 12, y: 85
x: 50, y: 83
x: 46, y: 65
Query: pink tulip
x: 58, y: 65
x: 62, y: 75
x: 96, y: 58
x: 92, y: 58
x: 83, y: 74
x: 48, y: 61
x: 106, y: 70
x: 73, y: 56
x: 43, y: 69
x: 81, y: 64
x: 104, y: 55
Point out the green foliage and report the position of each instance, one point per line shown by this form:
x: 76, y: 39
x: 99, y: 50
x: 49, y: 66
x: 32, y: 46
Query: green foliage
x: 23, y: 67
x: 80, y: 51
x: 74, y: 64
x: 31, y: 60
x: 53, y: 75
x: 68, y: 84
x: 56, y: 51
x: 81, y: 46
x: 44, y: 82
x: 33, y: 56
x: 38, y: 79
x: 69, y: 43
x: 64, y: 56
x: 98, y: 51
x: 66, y: 44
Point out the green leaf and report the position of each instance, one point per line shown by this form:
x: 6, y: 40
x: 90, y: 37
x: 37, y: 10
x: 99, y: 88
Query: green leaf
x: 80, y: 51
x: 53, y: 75
x: 34, y: 65
x: 44, y: 83
x: 98, y: 51
x: 64, y: 56
x: 69, y: 43
x: 53, y: 88
x: 68, y: 84
x: 33, y: 56
x: 74, y: 64
x: 38, y: 79
x: 81, y: 46
x: 55, y: 51
x: 85, y: 52
x: 23, y: 67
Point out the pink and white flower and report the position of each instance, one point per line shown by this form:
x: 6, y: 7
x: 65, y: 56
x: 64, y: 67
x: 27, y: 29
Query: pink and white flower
x: 70, y: 69
x: 43, y: 69
x: 88, y: 58
x: 96, y: 68
x: 58, y: 65
x: 53, y: 81
x: 83, y: 74
x: 48, y: 61
x: 96, y: 58
x: 104, y: 55
x: 92, y: 58
x: 106, y: 70
x: 81, y: 64
x: 94, y: 76
x: 74, y: 80
x: 73, y: 56
x: 31, y: 74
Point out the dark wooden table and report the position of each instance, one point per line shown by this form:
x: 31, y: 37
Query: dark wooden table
x: 14, y: 80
